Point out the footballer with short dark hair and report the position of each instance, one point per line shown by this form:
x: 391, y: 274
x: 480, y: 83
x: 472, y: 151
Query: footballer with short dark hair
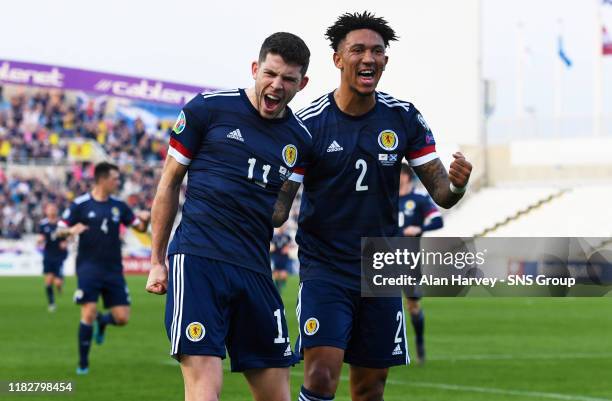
x: 237, y: 147
x: 96, y: 217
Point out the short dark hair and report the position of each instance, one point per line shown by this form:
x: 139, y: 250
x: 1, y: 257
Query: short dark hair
x: 103, y: 169
x: 348, y: 22
x: 290, y: 47
x: 406, y: 169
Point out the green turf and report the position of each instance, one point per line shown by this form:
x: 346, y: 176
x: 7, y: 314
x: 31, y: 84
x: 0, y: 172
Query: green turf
x: 478, y: 348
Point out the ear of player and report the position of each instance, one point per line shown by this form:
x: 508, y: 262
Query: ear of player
x: 459, y: 173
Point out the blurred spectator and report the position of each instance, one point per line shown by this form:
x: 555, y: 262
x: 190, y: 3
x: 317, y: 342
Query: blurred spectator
x: 37, y: 127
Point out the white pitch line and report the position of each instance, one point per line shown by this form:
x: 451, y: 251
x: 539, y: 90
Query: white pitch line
x: 492, y: 357
x: 469, y: 389
x: 491, y: 390
x: 486, y: 390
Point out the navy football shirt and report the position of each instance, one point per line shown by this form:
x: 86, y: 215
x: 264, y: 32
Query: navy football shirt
x: 416, y: 209
x: 99, y: 245
x: 52, y: 250
x: 237, y: 162
x: 280, y: 241
x: 351, y: 188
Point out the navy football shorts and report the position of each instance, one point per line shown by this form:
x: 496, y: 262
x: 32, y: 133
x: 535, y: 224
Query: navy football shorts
x: 53, y: 266
x: 213, y: 305
x: 281, y: 263
x: 111, y: 286
x: 372, y: 331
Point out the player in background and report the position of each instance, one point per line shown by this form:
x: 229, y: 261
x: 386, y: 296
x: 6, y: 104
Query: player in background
x: 351, y: 191
x: 237, y: 147
x: 279, y: 248
x: 417, y: 214
x: 55, y: 252
x: 96, y: 217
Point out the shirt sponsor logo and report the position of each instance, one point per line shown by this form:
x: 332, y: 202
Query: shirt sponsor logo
x: 387, y: 159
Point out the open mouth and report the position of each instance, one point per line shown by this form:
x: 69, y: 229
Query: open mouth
x: 271, y: 102
x: 366, y: 76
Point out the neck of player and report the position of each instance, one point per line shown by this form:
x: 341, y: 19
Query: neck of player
x: 99, y: 194
x: 352, y: 103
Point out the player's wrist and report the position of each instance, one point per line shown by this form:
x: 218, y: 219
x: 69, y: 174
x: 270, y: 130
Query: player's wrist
x: 155, y: 262
x: 457, y: 190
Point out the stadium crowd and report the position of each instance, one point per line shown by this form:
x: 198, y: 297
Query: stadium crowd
x: 37, y: 127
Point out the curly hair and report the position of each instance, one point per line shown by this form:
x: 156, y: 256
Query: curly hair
x: 348, y: 22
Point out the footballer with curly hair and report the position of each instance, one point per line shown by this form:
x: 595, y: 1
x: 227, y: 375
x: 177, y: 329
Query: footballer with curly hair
x: 360, y: 136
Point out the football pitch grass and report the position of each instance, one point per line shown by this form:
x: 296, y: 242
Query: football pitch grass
x: 511, y: 349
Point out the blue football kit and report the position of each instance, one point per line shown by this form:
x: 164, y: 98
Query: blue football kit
x: 53, y: 254
x: 351, y: 191
x: 98, y: 263
x: 280, y: 260
x: 220, y: 290
x: 417, y: 209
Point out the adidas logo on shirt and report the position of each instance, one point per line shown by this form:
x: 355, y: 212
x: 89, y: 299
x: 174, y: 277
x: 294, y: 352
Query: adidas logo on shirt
x: 397, y: 350
x: 334, y: 147
x: 235, y: 134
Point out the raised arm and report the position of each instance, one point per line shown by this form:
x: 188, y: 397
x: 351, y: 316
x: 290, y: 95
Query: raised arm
x: 163, y: 213
x: 143, y: 221
x: 282, y: 207
x: 64, y: 231
x: 446, y: 189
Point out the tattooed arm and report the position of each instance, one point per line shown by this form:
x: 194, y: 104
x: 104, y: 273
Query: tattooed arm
x: 438, y: 182
x: 282, y: 207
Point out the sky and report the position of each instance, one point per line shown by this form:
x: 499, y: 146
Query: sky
x: 213, y: 43
x: 542, y: 21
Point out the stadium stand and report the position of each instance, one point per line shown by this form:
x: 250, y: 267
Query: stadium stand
x: 569, y: 210
x: 579, y: 211
x: 46, y: 129
x: 482, y: 211
x: 50, y: 139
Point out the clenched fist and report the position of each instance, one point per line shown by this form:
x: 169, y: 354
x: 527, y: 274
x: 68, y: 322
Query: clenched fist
x: 157, y: 283
x: 459, y: 171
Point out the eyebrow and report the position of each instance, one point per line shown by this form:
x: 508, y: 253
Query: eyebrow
x: 377, y: 46
x: 285, y: 76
